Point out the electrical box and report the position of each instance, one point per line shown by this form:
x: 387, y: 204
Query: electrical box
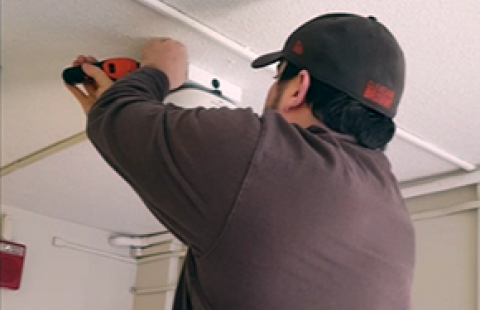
x: 192, y: 95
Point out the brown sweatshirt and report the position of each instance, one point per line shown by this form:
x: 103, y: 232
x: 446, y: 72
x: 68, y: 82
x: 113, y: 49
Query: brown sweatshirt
x: 275, y: 216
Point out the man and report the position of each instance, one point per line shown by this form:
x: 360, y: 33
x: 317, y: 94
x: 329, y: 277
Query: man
x: 296, y: 209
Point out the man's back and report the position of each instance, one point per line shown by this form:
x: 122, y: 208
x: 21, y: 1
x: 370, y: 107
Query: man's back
x: 278, y: 211
x: 318, y: 223
x: 276, y: 216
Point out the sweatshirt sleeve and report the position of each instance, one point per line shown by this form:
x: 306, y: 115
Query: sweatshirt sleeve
x: 187, y: 165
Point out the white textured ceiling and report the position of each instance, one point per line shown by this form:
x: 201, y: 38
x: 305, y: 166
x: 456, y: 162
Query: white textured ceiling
x: 441, y: 102
x: 54, y: 187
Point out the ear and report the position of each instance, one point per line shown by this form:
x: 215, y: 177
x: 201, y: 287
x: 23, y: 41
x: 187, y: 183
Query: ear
x: 302, y: 83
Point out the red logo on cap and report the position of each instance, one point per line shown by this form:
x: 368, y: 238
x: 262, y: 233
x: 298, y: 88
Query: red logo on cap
x: 298, y: 47
x: 379, y: 94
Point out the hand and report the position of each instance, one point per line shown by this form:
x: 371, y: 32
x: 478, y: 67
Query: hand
x: 168, y: 56
x: 93, y: 89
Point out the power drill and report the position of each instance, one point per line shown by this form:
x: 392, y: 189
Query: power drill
x: 115, y: 68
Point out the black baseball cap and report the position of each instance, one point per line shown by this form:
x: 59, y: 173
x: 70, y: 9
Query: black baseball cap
x: 355, y: 54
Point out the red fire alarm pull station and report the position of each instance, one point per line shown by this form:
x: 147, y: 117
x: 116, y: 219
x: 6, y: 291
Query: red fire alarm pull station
x: 12, y: 256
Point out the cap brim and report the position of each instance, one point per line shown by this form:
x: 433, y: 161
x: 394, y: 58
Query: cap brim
x: 267, y: 59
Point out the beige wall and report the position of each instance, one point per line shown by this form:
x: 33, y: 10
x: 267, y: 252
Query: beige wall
x: 446, y: 269
x: 156, y: 272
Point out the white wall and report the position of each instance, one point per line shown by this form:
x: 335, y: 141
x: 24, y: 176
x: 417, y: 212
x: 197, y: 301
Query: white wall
x: 61, y: 278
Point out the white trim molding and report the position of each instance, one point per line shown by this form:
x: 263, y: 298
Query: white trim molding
x: 435, y: 150
x: 436, y: 185
x: 152, y: 290
x: 469, y: 206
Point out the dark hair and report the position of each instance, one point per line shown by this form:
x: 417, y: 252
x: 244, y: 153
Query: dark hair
x: 344, y: 114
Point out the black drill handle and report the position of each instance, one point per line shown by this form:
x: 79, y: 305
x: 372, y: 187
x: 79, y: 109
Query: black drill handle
x: 115, y: 68
x: 75, y: 75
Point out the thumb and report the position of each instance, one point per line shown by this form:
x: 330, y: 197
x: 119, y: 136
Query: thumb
x: 97, y: 74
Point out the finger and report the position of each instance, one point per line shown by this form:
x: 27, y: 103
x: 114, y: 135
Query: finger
x: 160, y: 39
x: 77, y: 93
x: 91, y: 59
x: 97, y: 74
x: 80, y: 60
x: 91, y: 88
x: 154, y: 41
x: 85, y: 101
x: 179, y: 43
